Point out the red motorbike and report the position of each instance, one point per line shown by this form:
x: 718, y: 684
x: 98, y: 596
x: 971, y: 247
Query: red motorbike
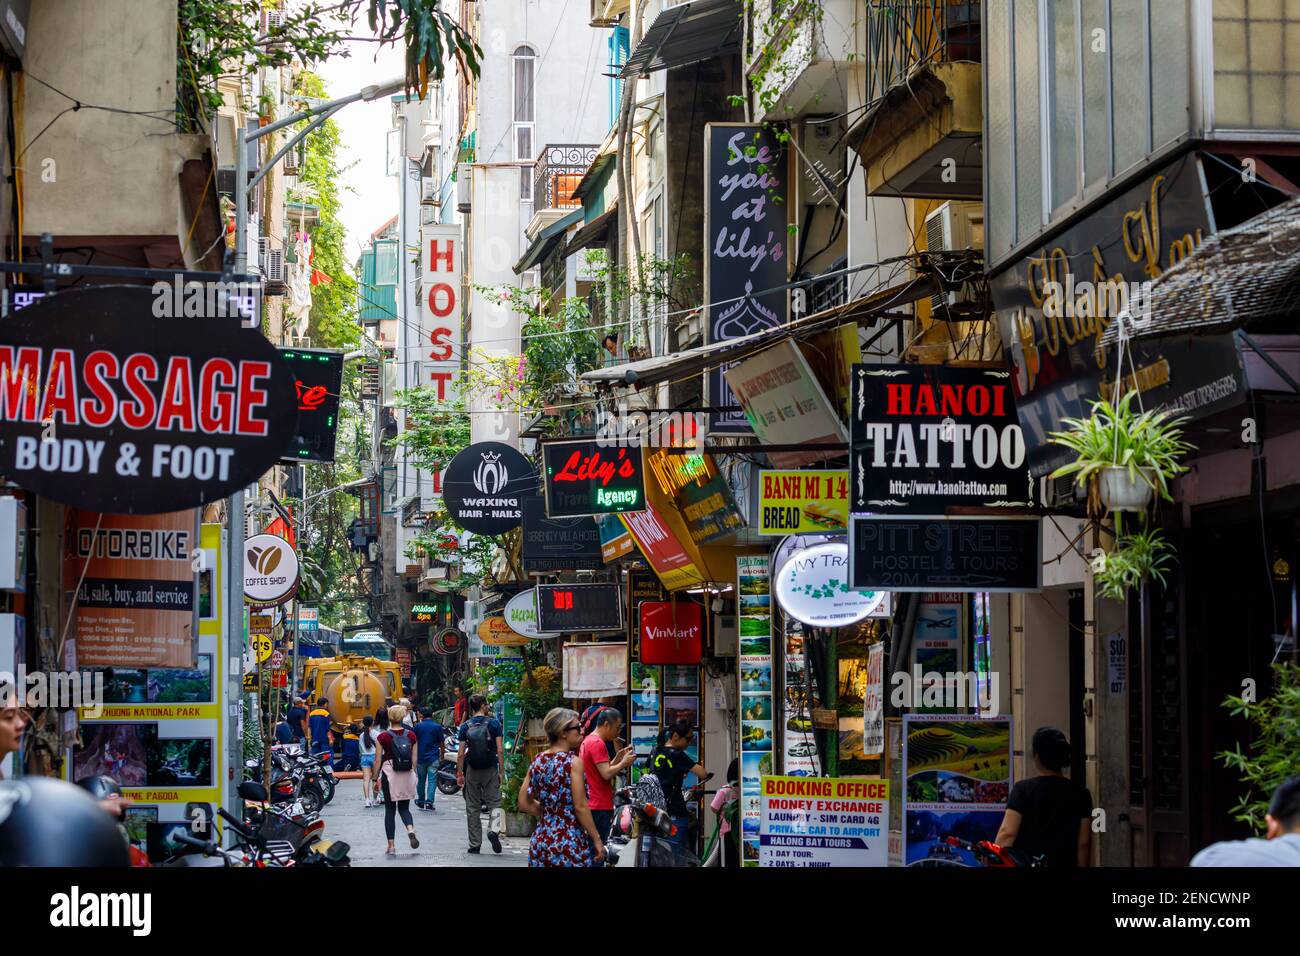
x: 991, y: 855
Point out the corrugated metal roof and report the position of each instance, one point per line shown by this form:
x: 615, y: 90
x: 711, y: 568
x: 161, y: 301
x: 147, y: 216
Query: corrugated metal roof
x: 688, y: 33
x: 1239, y: 275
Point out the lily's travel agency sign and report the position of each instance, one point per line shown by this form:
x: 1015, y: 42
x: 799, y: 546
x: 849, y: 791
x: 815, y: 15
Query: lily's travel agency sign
x: 484, y: 487
x: 584, y: 478
x: 926, y: 437
x: 106, y: 407
x: 744, y: 255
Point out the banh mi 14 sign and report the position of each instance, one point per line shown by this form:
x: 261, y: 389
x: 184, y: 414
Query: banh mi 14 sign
x: 925, y: 438
x: 107, y: 407
x: 803, y: 502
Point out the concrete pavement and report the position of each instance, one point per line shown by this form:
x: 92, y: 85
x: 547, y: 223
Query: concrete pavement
x: 442, y: 834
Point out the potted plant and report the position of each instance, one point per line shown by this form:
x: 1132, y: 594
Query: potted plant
x: 518, y: 823
x: 1136, y: 558
x: 1123, y: 456
x: 539, y: 691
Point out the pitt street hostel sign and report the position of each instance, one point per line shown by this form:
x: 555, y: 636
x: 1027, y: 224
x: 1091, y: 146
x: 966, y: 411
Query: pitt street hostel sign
x: 928, y: 437
x: 107, y: 407
x: 585, y: 478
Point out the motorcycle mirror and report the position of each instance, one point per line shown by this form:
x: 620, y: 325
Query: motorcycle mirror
x: 252, y: 790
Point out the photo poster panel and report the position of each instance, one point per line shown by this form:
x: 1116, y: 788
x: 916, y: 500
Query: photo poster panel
x: 757, y: 746
x: 940, y: 647
x: 648, y: 685
x: 957, y: 777
x: 800, y: 754
x: 162, y: 726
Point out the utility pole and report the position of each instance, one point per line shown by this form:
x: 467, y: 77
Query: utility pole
x: 244, y: 185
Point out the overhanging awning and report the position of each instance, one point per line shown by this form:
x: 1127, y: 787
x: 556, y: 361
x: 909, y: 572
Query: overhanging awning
x: 687, y: 33
x: 1247, y: 273
x: 691, y: 361
x: 546, y: 241
x: 593, y: 232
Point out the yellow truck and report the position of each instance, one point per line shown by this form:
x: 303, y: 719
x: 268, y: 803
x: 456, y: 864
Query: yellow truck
x: 353, y: 685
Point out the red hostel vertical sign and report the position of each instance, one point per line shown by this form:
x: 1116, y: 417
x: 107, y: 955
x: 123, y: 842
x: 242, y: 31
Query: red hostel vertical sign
x: 441, y: 268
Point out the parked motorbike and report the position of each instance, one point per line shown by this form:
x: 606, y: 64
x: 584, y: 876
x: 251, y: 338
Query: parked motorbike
x: 991, y: 855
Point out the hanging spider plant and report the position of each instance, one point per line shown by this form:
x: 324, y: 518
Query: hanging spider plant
x: 1137, y: 558
x: 1117, y: 446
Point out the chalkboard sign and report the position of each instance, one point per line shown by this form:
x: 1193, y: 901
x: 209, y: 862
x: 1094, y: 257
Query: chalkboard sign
x: 559, y: 544
x: 945, y: 554
x: 744, y: 246
x: 579, y: 607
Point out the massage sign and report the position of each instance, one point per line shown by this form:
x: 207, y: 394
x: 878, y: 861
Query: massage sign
x: 106, y: 407
x: 929, y: 437
x: 584, y: 478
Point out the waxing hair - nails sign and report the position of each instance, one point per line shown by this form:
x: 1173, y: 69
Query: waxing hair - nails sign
x: 107, y: 407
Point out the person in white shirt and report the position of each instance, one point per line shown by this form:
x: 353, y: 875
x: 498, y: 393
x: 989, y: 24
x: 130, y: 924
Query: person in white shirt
x: 369, y: 741
x: 1281, y: 843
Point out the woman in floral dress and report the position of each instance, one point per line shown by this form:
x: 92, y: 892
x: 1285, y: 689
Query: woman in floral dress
x: 555, y: 791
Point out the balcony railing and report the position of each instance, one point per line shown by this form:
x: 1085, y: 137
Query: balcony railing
x: 903, y: 35
x: 557, y: 173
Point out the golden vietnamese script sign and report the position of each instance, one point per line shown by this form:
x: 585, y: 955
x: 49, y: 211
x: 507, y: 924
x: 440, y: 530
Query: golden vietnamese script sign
x: 495, y: 631
x: 803, y: 502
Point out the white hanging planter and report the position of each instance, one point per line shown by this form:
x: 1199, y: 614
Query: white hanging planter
x: 1121, y: 490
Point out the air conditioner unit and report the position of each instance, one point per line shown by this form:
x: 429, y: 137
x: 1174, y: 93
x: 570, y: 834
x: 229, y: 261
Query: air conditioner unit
x: 428, y: 215
x: 273, y: 269
x: 428, y: 190
x: 822, y: 162
x: 952, y: 227
x: 272, y: 20
x: 464, y: 186
x: 296, y: 159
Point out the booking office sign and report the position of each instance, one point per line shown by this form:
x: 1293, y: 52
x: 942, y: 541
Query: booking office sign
x: 107, y: 407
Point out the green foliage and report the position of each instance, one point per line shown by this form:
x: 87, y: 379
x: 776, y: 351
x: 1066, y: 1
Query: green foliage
x: 771, y: 70
x: 223, y: 38
x: 1275, y: 748
x: 1116, y: 435
x: 1137, y: 558
x: 334, y: 303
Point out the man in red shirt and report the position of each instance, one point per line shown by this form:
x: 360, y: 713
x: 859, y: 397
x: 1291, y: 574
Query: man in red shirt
x: 600, y: 770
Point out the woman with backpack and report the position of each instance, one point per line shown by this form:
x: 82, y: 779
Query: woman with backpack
x: 397, y: 753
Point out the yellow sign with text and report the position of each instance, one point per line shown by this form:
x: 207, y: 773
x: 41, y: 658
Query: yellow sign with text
x: 803, y: 502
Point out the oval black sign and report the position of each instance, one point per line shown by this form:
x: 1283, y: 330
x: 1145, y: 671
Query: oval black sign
x: 484, y: 487
x: 108, y: 407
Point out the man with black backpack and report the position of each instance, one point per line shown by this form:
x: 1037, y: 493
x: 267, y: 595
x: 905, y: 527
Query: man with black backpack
x: 479, y: 759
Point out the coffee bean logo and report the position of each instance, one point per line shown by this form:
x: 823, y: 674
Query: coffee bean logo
x: 265, y: 560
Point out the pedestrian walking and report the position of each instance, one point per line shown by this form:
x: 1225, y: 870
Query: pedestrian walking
x: 432, y: 740
x: 295, y: 716
x: 600, y: 770
x: 351, y: 747
x: 409, y: 721
x: 555, y: 791
x: 479, y: 759
x: 1280, y: 845
x: 671, y: 763
x: 12, y: 722
x: 368, y: 742
x: 1050, y: 815
x: 398, y: 753
x: 459, y: 706
x: 318, y: 730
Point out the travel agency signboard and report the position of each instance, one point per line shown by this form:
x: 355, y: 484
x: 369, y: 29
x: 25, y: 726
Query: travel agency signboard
x: 106, y: 406
x: 584, y: 478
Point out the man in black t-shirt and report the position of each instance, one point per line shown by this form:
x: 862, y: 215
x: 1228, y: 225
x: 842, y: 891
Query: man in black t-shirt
x: 1049, y: 816
x: 671, y: 763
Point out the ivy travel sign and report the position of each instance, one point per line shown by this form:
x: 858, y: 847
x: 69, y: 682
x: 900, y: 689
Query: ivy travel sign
x: 107, y: 407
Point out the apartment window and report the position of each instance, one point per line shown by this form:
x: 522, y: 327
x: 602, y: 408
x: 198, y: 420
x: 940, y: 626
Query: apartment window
x: 524, y: 68
x: 1256, y: 64
x: 1078, y: 93
x: 618, y: 53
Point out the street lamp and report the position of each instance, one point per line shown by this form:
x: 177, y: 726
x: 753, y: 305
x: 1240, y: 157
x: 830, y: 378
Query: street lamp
x: 244, y: 186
